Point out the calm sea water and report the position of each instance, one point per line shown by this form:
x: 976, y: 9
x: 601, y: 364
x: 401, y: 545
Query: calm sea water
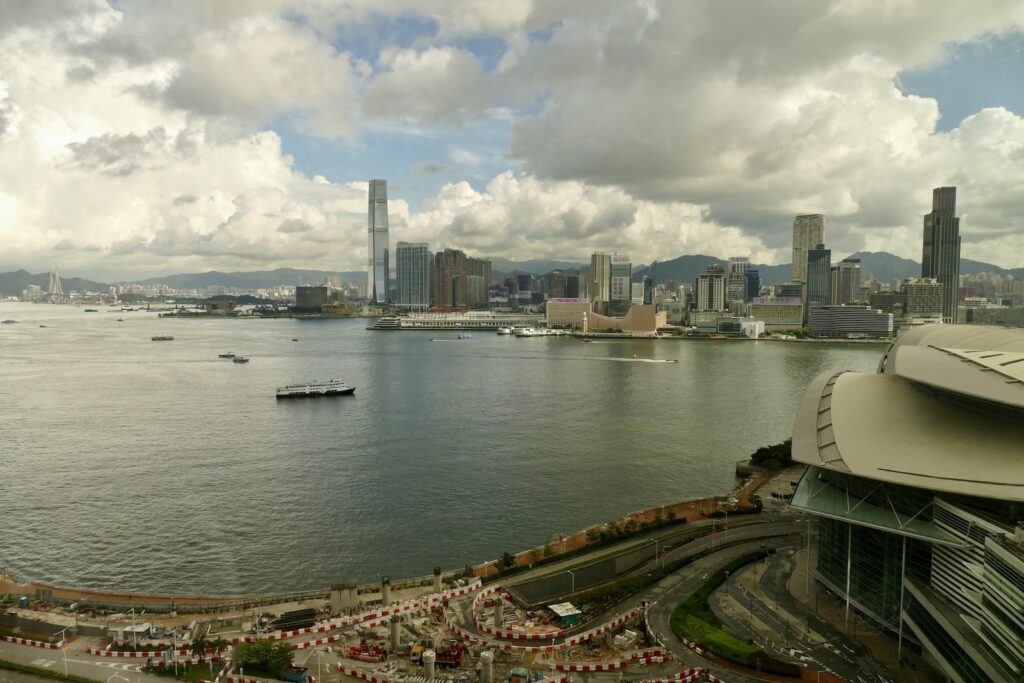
x: 155, y: 466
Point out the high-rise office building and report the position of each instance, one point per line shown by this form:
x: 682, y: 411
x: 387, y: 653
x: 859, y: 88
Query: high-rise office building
x: 923, y: 297
x: 736, y: 284
x: 378, y: 264
x: 572, y: 286
x: 556, y: 285
x: 450, y: 286
x: 808, y: 231
x: 709, y: 289
x: 619, y: 290
x: 847, y: 290
x: 753, y: 284
x: 819, y: 277
x: 940, y: 257
x: 601, y: 276
x: 412, y: 264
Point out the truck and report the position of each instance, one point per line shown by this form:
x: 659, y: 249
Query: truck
x: 295, y: 674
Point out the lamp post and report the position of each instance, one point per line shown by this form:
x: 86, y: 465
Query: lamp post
x: 572, y: 590
x: 656, y: 542
x: 135, y: 635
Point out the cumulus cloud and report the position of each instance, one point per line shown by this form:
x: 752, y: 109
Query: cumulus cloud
x: 148, y: 130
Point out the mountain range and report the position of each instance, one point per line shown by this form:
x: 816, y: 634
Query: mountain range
x: 882, y: 265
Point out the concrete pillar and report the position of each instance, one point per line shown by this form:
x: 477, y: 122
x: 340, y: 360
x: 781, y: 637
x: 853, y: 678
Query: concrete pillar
x: 437, y: 579
x: 428, y: 664
x: 395, y: 637
x: 385, y: 591
x: 486, y: 666
x: 499, y: 612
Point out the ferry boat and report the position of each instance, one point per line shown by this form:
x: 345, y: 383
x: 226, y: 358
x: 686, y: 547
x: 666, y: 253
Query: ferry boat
x: 504, y: 330
x: 225, y: 355
x: 240, y: 359
x: 331, y: 387
x: 162, y: 338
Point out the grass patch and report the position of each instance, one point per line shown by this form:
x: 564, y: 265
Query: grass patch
x: 694, y: 620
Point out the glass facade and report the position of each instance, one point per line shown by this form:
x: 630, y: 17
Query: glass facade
x: 941, y: 641
x: 876, y: 567
x: 378, y: 263
x: 412, y: 268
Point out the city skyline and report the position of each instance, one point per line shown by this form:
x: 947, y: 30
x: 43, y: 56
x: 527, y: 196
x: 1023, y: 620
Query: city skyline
x: 157, y: 141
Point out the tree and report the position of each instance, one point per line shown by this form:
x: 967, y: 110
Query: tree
x: 507, y: 560
x: 264, y: 656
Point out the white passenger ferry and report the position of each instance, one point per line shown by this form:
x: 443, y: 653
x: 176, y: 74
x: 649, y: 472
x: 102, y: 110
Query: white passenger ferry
x: 331, y: 387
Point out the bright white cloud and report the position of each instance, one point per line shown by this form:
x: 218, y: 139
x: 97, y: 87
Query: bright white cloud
x: 138, y: 138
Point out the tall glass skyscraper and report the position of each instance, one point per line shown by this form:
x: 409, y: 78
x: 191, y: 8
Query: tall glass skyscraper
x: 412, y: 267
x: 378, y: 263
x: 941, y: 254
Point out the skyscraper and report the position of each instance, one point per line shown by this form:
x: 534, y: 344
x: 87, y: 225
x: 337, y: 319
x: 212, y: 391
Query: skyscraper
x: 619, y: 290
x: 709, y: 289
x: 808, y: 231
x: 450, y: 284
x: 736, y: 284
x: 848, y: 285
x: 378, y: 264
x: 412, y: 265
x: 478, y: 281
x: 601, y: 274
x: 941, y: 254
x: 819, y: 278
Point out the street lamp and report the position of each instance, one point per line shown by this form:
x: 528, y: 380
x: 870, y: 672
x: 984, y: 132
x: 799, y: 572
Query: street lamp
x: 573, y: 589
x: 656, y: 542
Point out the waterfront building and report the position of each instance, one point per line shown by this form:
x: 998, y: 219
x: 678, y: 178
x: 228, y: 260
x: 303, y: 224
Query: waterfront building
x: 847, y: 286
x: 849, y: 321
x: 778, y: 312
x: 600, y: 276
x: 736, y: 278
x: 940, y: 256
x: 709, y: 289
x: 619, y: 290
x: 639, y: 321
x: 915, y: 475
x: 567, y: 312
x: 789, y: 290
x: 808, y: 231
x: 450, y: 286
x: 819, y: 278
x: 378, y: 265
x: 412, y: 264
x: 478, y: 281
x: 457, y: 320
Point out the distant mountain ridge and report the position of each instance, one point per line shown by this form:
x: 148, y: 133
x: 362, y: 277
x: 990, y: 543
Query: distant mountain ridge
x: 882, y: 265
x: 13, y: 283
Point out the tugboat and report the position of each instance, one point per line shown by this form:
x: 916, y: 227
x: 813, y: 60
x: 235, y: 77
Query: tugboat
x: 240, y: 359
x: 331, y: 387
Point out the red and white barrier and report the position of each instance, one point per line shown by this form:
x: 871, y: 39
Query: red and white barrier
x: 139, y: 653
x: 652, y: 655
x: 149, y: 643
x: 510, y: 634
x: 512, y: 647
x: 33, y: 643
x: 225, y: 670
x: 356, y: 673
x: 160, y: 663
x: 694, y: 673
x: 414, y: 605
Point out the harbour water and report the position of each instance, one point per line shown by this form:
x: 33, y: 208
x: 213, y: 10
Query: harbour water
x: 156, y: 466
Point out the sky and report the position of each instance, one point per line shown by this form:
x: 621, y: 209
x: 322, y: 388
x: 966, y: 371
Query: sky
x: 140, y: 138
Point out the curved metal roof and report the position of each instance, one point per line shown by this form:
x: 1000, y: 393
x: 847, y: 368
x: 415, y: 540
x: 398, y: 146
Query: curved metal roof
x: 978, y: 362
x: 887, y: 428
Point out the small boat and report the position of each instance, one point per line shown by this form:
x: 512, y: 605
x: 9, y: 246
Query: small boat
x: 504, y: 330
x: 587, y: 341
x: 240, y: 359
x: 42, y: 326
x: 225, y: 355
x: 120, y: 320
x: 293, y: 339
x: 331, y: 387
x: 162, y: 338
x: 8, y: 322
x: 91, y: 310
x: 636, y: 357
